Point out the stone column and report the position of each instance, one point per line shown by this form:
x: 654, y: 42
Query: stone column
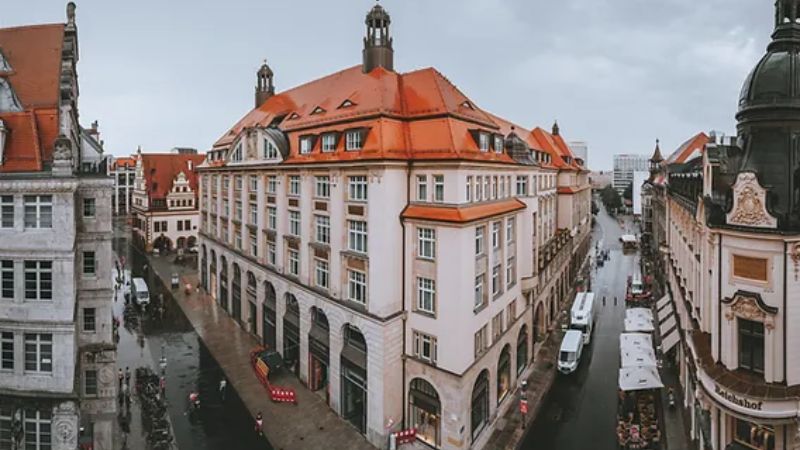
x: 65, y: 426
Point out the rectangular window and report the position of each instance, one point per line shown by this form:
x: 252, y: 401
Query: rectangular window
x: 270, y: 150
x: 38, y: 280
x: 90, y: 382
x: 511, y: 272
x: 357, y: 188
x: 438, y: 188
x: 7, y: 350
x: 294, y: 185
x: 226, y: 209
x: 510, y: 230
x: 88, y: 207
x: 321, y: 273
x: 305, y: 144
x: 426, y: 295
x: 754, y: 435
x: 479, y: 232
x: 237, y: 183
x: 522, y: 185
x: 481, y: 340
x: 238, y: 211
x: 237, y: 238
x: 486, y: 190
x: 7, y: 279
x: 496, y: 235
x: 253, y: 184
x: 180, y: 225
x: 496, y: 280
x: 357, y: 236
x: 498, y: 144
x: 38, y: 430
x: 38, y: 352
x: 89, y: 319
x: 478, y: 188
x: 271, y: 253
x: 225, y: 184
x: 512, y: 312
x: 502, y: 188
x: 272, y: 217
x: 422, y: 188
x: 323, y: 187
x: 469, y: 189
x: 187, y: 224
x: 494, y: 187
x: 328, y: 142
x: 294, y: 262
x: 7, y: 210
x: 294, y: 223
x: 751, y: 345
x: 483, y: 141
x: 425, y: 347
x: 426, y: 243
x: 253, y: 238
x: 38, y: 211
x: 323, y: 229
x: 353, y: 140
x: 497, y: 326
x: 357, y: 286
x: 272, y: 184
x: 479, y: 290
x: 89, y: 263
x: 252, y: 209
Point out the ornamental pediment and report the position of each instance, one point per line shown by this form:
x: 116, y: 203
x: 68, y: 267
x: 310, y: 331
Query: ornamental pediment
x: 749, y: 203
x: 750, y: 306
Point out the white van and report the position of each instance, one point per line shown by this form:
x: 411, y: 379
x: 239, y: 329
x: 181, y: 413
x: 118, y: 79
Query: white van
x: 139, y: 292
x: 637, y: 287
x: 569, y: 356
x: 582, y: 315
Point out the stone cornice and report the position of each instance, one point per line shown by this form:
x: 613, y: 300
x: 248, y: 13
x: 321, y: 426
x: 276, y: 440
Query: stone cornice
x: 49, y: 185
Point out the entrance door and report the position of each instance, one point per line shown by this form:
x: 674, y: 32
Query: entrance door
x: 269, y: 331
x: 354, y: 397
x: 253, y: 318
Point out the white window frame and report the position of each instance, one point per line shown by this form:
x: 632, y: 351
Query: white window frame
x: 511, y: 228
x: 294, y: 185
x: 357, y: 236
x: 253, y: 184
x: 7, y: 211
x: 305, y: 145
x: 272, y: 218
x: 252, y: 237
x: 421, y: 341
x: 438, y: 188
x: 7, y: 277
x: 294, y: 262
x: 294, y: 223
x: 511, y: 271
x: 38, y: 275
x: 426, y: 295
x: 322, y: 186
x: 272, y: 184
x: 322, y: 229
x: 480, y: 244
x: 270, y: 150
x: 495, y: 235
x: 469, y: 188
x: 496, y: 280
x: 321, y: 273
x: 480, y: 294
x: 38, y: 430
x: 253, y: 210
x: 236, y: 154
x: 357, y: 286
x: 40, y: 210
x: 328, y: 142
x: 483, y: 141
x: 426, y: 243
x: 357, y: 188
x: 522, y: 185
x: 36, y: 344
x: 353, y: 140
x: 272, y: 254
x: 422, y: 188
x: 498, y: 144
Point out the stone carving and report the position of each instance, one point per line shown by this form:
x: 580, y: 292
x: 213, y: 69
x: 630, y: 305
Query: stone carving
x: 63, y: 149
x: 748, y: 308
x: 106, y: 375
x: 65, y: 430
x: 749, y: 203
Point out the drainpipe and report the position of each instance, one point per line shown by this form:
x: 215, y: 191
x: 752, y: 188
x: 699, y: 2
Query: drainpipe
x: 403, y: 291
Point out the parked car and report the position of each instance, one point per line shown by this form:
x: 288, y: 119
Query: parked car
x: 175, y: 280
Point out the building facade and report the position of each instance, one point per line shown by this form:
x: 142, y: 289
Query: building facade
x: 123, y: 172
x: 732, y: 260
x: 57, y: 365
x: 346, y: 229
x: 581, y: 151
x: 165, y: 210
x: 624, y: 167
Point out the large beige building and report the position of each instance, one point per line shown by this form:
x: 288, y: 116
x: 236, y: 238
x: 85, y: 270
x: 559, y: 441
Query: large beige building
x: 394, y: 242
x: 733, y: 258
x: 57, y: 356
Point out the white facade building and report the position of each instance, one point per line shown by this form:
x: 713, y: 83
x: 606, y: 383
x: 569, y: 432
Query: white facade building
x: 123, y: 171
x: 624, y: 167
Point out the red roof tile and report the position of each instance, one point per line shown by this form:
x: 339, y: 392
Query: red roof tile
x: 689, y: 150
x: 464, y: 214
x: 160, y: 170
x: 124, y: 161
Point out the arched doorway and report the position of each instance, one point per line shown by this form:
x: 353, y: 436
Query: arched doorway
x: 291, y: 334
x: 354, y: 377
x: 204, y: 269
x: 223, y: 283
x: 212, y: 288
x: 252, y: 317
x: 237, y: 293
x: 180, y: 243
x: 269, y: 311
x: 522, y: 349
x: 319, y: 353
x: 425, y: 411
x: 553, y: 310
x: 479, y: 411
x: 539, y: 325
x: 191, y: 241
x: 162, y: 243
x: 504, y: 374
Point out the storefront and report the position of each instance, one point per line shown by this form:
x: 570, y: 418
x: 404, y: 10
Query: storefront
x: 291, y: 335
x: 223, y: 284
x: 479, y: 415
x: 237, y: 293
x: 270, y: 314
x: 504, y: 374
x: 318, y: 354
x: 425, y: 411
x: 354, y: 378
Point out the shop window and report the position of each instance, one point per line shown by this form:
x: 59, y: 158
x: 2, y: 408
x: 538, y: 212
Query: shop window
x: 754, y: 436
x: 751, y: 345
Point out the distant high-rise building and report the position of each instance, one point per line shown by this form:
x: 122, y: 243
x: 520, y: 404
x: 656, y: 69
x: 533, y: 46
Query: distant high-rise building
x: 581, y: 151
x: 624, y: 167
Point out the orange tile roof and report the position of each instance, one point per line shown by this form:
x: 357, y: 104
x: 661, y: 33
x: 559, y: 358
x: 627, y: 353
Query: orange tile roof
x: 463, y: 214
x: 160, y: 170
x: 34, y: 54
x: 124, y: 161
x: 689, y: 150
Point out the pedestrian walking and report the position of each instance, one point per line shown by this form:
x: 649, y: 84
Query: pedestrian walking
x: 120, y: 377
x: 162, y: 385
x: 223, y: 386
x: 127, y: 375
x: 604, y: 300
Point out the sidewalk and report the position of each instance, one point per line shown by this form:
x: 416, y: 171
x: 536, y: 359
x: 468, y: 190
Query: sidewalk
x: 311, y: 424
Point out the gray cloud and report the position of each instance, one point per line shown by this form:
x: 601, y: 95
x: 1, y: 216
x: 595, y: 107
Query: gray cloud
x: 618, y: 73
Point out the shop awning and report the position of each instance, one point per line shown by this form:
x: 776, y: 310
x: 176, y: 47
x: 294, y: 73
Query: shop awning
x: 643, y: 356
x: 638, y: 325
x: 665, y: 309
x: 639, y: 313
x: 662, y: 302
x: 627, y: 340
x: 669, y: 341
x: 639, y: 378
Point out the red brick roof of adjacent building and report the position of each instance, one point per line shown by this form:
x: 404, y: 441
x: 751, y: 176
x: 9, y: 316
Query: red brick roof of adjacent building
x: 161, y: 169
x: 462, y: 214
x: 416, y: 115
x: 124, y: 161
x: 689, y: 150
x: 34, y: 54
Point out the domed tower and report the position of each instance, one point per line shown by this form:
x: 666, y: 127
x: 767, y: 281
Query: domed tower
x: 769, y: 118
x: 656, y: 161
x: 378, y: 50
x: 264, y: 86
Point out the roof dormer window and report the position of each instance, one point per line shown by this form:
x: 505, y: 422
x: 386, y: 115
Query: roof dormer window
x: 329, y: 142
x: 483, y: 141
x: 317, y: 110
x: 346, y: 104
x: 237, y: 153
x: 293, y: 116
x: 467, y: 105
x: 270, y: 150
x: 306, y: 144
x: 498, y: 144
x: 354, y: 140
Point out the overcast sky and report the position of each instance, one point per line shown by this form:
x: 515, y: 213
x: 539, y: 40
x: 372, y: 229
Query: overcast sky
x: 616, y: 73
